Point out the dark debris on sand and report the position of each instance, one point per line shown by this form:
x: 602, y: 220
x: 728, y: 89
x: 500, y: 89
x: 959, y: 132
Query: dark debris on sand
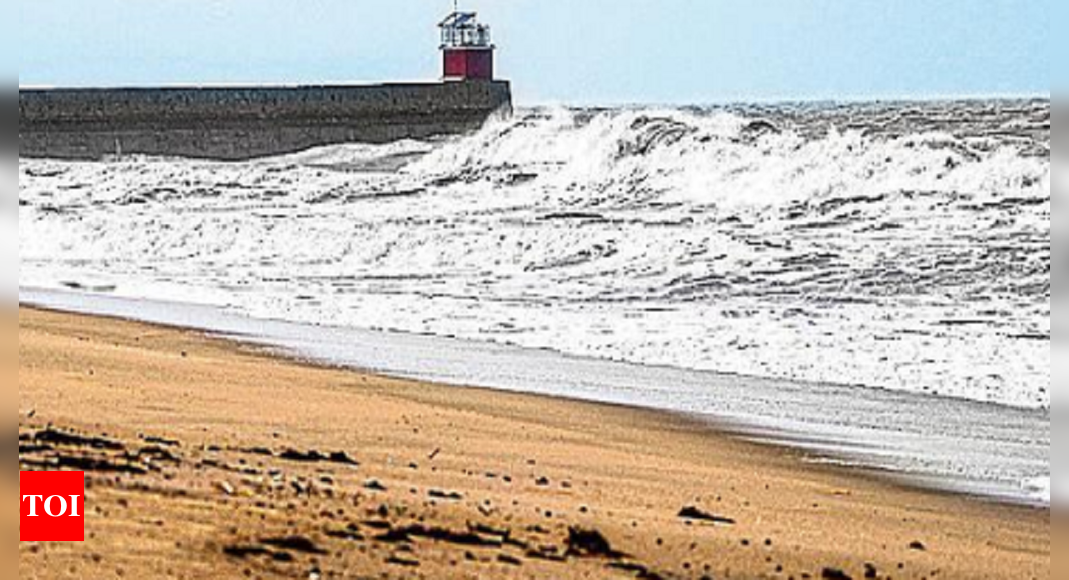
x: 835, y: 574
x: 385, y: 539
x: 294, y: 544
x: 590, y: 543
x: 313, y: 456
x: 695, y: 514
x: 62, y: 439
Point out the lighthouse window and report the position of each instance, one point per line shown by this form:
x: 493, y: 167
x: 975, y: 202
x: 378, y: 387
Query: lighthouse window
x: 462, y: 29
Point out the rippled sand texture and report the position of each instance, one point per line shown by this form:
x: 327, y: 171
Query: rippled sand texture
x: 898, y: 246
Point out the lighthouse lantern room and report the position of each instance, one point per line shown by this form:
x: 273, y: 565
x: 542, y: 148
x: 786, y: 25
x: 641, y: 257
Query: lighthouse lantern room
x: 467, y: 51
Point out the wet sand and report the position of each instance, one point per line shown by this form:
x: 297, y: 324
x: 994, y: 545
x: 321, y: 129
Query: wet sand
x: 209, y: 459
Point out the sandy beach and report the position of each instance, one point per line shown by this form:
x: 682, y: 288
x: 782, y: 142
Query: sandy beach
x: 209, y: 459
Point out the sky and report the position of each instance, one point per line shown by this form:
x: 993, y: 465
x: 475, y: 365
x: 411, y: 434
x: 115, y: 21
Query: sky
x: 581, y: 52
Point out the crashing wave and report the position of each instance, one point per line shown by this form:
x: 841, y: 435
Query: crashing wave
x: 840, y: 245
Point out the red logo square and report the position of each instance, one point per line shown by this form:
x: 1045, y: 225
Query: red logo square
x: 53, y: 506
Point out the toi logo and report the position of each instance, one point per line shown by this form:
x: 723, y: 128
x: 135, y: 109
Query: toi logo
x: 53, y: 506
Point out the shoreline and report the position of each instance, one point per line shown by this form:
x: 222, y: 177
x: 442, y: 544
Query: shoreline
x: 800, y: 449
x: 925, y: 432
x: 625, y: 473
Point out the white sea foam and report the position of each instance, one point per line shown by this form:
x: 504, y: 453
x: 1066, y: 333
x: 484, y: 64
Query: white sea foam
x: 9, y: 227
x: 1039, y: 488
x: 916, y: 260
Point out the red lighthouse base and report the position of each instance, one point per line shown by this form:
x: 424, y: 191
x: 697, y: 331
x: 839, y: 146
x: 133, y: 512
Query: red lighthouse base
x: 468, y: 64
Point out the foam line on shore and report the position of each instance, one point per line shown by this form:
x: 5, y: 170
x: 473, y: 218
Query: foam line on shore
x: 950, y: 444
x: 1040, y: 487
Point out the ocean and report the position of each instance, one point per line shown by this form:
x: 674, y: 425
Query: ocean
x: 901, y: 247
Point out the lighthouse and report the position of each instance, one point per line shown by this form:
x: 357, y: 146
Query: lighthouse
x: 467, y: 51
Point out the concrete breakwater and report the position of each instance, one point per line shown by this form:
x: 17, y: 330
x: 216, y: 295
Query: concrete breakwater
x: 245, y: 123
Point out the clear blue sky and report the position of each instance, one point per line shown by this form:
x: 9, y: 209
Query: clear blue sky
x: 566, y: 51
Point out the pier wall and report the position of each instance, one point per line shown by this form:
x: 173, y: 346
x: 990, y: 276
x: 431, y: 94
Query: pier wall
x: 245, y: 123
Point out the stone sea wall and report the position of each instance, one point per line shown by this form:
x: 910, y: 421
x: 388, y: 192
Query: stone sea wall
x: 245, y: 123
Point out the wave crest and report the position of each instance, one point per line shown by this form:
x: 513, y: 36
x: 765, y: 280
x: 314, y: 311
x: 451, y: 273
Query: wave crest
x: 901, y: 247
